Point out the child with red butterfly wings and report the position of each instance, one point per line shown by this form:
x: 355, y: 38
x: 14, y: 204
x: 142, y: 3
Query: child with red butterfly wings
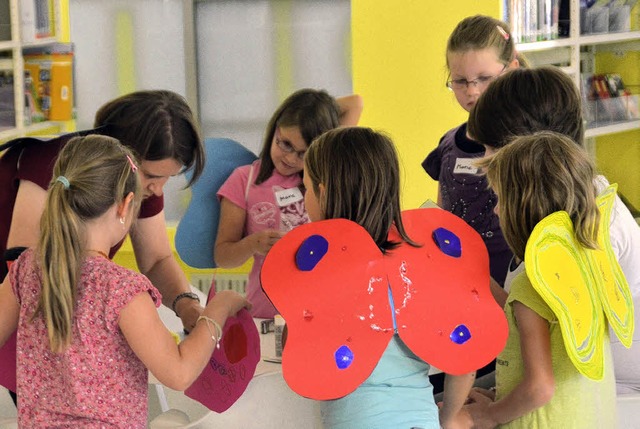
x: 373, y: 296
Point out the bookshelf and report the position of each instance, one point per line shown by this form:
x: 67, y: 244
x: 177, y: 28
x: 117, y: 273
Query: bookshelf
x: 27, y: 25
x: 577, y: 54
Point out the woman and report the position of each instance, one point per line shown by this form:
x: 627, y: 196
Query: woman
x: 160, y: 128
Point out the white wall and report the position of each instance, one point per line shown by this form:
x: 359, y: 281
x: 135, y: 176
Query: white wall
x: 250, y: 56
x: 157, y: 44
x: 109, y: 63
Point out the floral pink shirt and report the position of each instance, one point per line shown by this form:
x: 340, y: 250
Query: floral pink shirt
x: 98, y: 382
x: 276, y: 203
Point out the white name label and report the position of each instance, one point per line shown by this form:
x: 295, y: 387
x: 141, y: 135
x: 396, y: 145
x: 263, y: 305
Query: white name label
x: 286, y: 197
x: 465, y: 166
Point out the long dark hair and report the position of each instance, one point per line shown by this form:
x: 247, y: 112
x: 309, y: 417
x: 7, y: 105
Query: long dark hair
x: 312, y: 111
x: 157, y: 125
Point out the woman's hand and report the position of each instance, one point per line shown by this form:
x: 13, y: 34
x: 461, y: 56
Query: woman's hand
x: 189, y: 311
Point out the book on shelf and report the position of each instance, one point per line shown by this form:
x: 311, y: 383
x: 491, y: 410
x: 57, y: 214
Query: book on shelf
x: 7, y: 101
x: 533, y: 20
x: 37, y: 19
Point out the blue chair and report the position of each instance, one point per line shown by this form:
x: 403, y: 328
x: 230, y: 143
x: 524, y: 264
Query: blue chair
x: 196, y: 233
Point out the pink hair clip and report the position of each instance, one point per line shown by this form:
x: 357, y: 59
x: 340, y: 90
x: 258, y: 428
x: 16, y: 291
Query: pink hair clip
x: 134, y: 168
x: 503, y: 32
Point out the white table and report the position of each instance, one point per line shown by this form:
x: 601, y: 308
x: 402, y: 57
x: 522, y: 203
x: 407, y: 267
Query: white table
x: 267, y: 403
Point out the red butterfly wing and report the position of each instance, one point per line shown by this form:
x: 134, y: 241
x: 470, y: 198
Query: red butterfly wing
x: 444, y: 309
x: 337, y: 311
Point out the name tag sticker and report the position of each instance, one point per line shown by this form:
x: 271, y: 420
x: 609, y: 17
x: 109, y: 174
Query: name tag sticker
x: 286, y: 197
x: 465, y: 166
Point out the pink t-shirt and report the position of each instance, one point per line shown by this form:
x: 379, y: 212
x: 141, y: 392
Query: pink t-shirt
x: 276, y: 203
x: 97, y: 382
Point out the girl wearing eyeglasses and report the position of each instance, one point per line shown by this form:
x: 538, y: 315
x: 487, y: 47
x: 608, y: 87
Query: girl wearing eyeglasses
x: 479, y: 49
x: 260, y: 202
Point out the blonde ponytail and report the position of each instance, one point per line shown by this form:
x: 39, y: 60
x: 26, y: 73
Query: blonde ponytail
x: 91, y: 174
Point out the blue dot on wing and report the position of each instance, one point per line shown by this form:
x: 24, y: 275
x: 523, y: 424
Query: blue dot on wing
x: 311, y: 251
x: 447, y: 242
x: 344, y: 357
x: 460, y: 334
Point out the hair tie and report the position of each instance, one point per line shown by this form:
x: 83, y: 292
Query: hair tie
x: 64, y: 181
x: 503, y: 32
x: 134, y: 168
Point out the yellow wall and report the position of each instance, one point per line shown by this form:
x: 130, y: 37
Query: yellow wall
x: 618, y: 154
x: 399, y: 69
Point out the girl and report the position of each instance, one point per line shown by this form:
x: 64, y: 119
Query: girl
x: 87, y: 327
x: 528, y: 101
x: 353, y: 173
x: 479, y: 50
x: 537, y: 383
x: 260, y: 202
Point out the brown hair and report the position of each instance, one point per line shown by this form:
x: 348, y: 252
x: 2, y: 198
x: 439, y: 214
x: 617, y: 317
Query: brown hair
x: 312, y: 111
x: 157, y: 125
x: 537, y: 175
x: 479, y: 32
x: 91, y: 174
x: 526, y: 101
x: 360, y: 172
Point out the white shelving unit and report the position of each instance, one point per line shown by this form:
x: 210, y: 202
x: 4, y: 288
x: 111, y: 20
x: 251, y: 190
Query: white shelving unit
x: 576, y: 53
x: 15, y: 62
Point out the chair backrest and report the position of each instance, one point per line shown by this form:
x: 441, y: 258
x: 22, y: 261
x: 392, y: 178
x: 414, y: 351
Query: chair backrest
x: 197, y: 230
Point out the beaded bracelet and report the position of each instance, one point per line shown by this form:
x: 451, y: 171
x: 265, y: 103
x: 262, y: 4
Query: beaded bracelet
x: 216, y: 338
x: 190, y: 295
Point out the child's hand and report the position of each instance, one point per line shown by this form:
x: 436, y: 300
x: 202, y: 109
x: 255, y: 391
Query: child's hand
x: 228, y: 301
x: 462, y: 420
x: 263, y: 241
x: 478, y: 409
x: 489, y: 393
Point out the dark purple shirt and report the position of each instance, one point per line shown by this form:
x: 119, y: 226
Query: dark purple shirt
x: 465, y: 193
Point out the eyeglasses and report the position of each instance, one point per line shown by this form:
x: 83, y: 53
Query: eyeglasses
x: 287, y: 148
x: 480, y: 82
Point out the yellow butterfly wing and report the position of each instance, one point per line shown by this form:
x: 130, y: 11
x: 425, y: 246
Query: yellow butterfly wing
x: 559, y: 271
x: 613, y: 288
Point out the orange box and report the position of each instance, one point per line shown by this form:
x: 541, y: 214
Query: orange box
x: 49, y: 86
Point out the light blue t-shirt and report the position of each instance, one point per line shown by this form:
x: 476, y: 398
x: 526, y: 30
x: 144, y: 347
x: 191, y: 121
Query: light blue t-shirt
x: 397, y: 395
